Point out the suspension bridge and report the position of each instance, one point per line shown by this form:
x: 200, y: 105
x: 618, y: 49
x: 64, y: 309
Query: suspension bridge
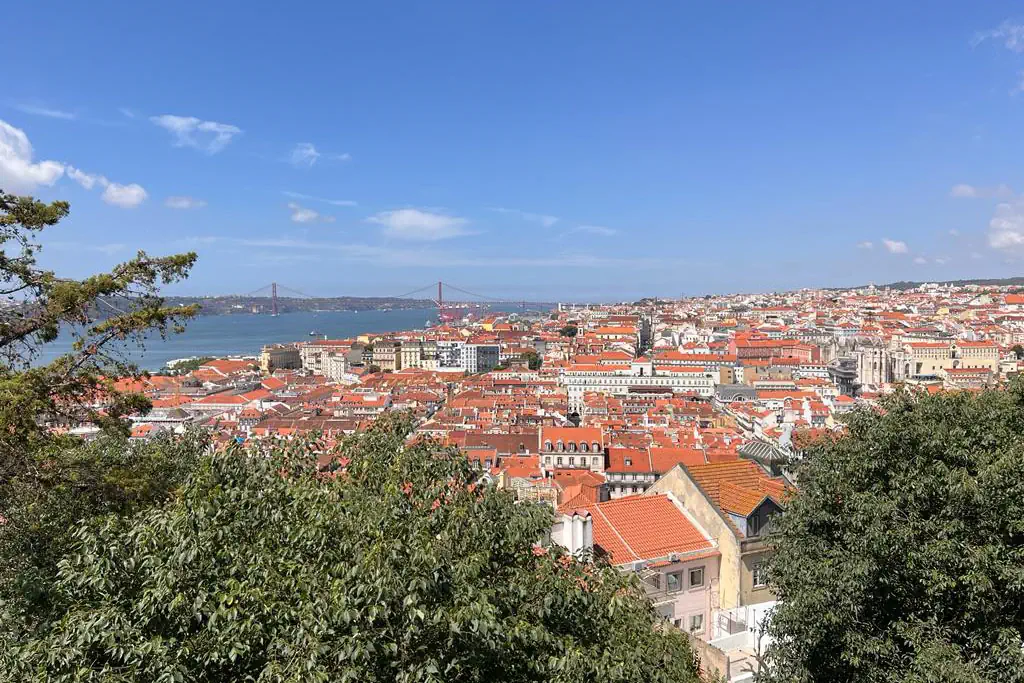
x: 447, y: 307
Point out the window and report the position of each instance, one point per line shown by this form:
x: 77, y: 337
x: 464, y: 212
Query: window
x: 547, y: 445
x: 597, y: 462
x: 754, y: 525
x: 629, y: 462
x: 760, y: 575
x: 547, y: 460
x: 696, y: 623
x: 696, y: 577
x: 559, y: 461
x: 583, y: 446
x: 673, y: 581
x: 572, y: 461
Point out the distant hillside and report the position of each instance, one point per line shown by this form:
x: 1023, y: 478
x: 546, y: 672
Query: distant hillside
x: 983, y: 282
x: 230, y: 305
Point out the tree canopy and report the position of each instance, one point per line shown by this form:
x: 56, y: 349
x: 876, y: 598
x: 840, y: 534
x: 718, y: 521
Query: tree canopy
x: 104, y: 313
x: 400, y: 565
x: 902, y: 556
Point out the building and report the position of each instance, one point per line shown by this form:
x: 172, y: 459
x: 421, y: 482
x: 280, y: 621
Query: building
x: 279, y: 357
x: 480, y: 357
x: 387, y: 355
x: 419, y: 354
x: 734, y: 501
x: 314, y: 354
x: 571, y: 447
x: 579, y: 380
x: 656, y: 538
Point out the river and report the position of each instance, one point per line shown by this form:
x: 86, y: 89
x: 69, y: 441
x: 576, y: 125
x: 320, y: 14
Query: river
x: 243, y: 334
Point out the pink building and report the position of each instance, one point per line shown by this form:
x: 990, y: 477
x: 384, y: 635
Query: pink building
x: 654, y: 536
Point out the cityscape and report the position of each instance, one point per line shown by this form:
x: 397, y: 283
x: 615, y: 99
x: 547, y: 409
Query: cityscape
x: 679, y: 413
x: 462, y: 342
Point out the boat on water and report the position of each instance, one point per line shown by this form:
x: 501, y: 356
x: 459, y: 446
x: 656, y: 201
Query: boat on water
x: 314, y: 333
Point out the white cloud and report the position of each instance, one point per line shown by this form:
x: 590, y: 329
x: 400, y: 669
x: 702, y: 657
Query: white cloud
x: 301, y: 214
x: 965, y: 191
x: 975, y: 255
x: 1006, y: 229
x: 866, y: 245
x: 544, y: 219
x: 953, y: 232
x: 48, y: 112
x: 920, y: 260
x: 414, y: 224
x: 895, y: 246
x: 595, y: 230
x: 335, y: 202
x: 18, y: 173
x: 189, y: 131
x: 1011, y: 35
x: 941, y: 260
x: 182, y: 202
x: 128, y: 113
x: 125, y: 196
x: 86, y: 180
x: 303, y: 154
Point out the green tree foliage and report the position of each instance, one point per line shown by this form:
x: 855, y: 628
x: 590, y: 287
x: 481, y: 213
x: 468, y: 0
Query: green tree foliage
x: 533, y: 360
x: 1018, y: 351
x: 104, y: 312
x: 401, y: 566
x: 902, y: 556
x: 568, y: 331
x: 78, y: 484
x: 186, y: 366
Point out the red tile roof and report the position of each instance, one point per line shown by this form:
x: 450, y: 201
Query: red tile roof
x: 644, y: 528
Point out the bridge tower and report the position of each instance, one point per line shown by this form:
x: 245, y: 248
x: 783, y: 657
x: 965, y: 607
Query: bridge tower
x: 440, y: 303
x: 273, y: 298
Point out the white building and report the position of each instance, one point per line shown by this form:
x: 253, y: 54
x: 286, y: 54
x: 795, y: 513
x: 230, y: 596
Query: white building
x: 619, y: 381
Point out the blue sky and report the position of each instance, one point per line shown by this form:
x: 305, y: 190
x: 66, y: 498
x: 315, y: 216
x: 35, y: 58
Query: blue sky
x: 575, y: 150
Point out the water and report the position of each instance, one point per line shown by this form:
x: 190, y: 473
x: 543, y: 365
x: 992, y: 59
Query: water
x: 237, y: 335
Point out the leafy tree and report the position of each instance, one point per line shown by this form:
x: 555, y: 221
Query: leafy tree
x: 52, y: 484
x: 1018, y: 351
x: 79, y: 484
x: 186, y: 366
x: 902, y: 556
x: 533, y: 360
x: 103, y: 312
x: 568, y: 331
x: 398, y: 566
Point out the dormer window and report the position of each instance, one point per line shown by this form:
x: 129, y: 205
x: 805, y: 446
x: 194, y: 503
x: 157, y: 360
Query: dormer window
x: 583, y: 446
x: 547, y: 445
x: 560, y: 447
x: 597, y: 447
x: 572, y: 446
x: 629, y: 462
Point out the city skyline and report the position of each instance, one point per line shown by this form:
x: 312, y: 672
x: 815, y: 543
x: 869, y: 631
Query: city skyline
x: 577, y: 152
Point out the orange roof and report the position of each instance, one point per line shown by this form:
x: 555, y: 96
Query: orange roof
x: 574, y: 434
x: 664, y: 459
x: 644, y: 528
x: 734, y: 485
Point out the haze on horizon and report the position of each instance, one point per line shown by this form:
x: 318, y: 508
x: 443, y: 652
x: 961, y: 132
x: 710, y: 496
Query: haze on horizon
x: 584, y: 151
